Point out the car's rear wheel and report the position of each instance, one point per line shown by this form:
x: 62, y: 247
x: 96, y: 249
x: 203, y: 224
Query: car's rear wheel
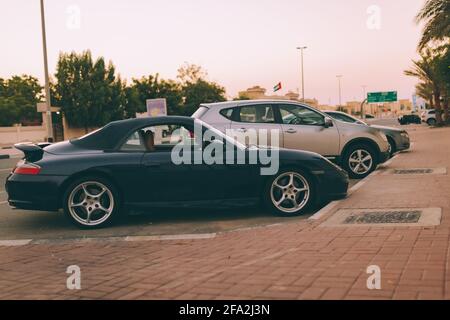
x: 289, y: 193
x: 92, y: 202
x: 359, y: 161
x: 431, y: 122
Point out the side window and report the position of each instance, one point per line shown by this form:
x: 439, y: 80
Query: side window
x: 295, y: 114
x: 227, y: 113
x: 159, y: 138
x: 343, y: 118
x: 134, y: 143
x: 256, y: 114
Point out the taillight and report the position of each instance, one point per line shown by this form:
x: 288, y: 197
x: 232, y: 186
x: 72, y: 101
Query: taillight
x: 27, y: 168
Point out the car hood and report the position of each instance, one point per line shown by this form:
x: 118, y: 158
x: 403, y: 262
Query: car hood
x: 384, y: 128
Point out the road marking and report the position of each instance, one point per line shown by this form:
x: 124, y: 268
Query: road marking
x: 172, y: 237
x: 14, y: 243
x: 5, y: 170
x: 23, y: 242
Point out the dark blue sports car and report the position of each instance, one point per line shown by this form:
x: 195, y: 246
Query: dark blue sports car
x: 137, y: 163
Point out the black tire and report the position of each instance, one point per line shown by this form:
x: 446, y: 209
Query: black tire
x: 115, y: 205
x: 350, y: 152
x: 431, y: 122
x: 393, y: 147
x: 311, y: 196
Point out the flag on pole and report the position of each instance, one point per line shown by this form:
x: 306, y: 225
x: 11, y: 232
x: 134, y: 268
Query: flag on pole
x: 277, y: 87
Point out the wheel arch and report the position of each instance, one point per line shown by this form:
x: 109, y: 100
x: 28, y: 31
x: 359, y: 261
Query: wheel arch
x: 89, y: 172
x: 366, y: 141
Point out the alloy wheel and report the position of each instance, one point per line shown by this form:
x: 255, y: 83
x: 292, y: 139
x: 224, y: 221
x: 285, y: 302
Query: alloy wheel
x: 290, y: 192
x: 360, y: 161
x: 91, y: 203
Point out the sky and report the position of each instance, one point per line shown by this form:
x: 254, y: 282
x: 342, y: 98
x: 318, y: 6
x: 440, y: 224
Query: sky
x: 240, y: 43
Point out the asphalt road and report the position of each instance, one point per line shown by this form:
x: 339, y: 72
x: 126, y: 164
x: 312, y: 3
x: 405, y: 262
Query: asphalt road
x: 22, y: 224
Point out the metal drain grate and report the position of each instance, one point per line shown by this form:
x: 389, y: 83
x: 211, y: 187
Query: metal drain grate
x: 384, y: 217
x: 413, y: 171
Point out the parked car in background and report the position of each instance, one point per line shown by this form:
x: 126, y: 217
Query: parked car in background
x: 429, y: 116
x: 398, y: 138
x: 129, y: 164
x: 358, y: 149
x: 409, y: 118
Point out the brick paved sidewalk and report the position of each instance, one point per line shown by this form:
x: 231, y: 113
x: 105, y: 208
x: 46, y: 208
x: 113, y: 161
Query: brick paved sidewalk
x: 300, y: 260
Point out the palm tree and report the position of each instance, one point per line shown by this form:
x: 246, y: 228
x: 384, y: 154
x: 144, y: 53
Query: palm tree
x: 425, y: 70
x: 436, y: 15
x: 425, y: 91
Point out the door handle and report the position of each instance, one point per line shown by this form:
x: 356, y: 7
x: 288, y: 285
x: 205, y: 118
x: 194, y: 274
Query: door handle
x: 291, y: 130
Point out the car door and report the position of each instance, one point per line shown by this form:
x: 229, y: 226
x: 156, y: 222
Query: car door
x: 255, y: 124
x: 304, y: 129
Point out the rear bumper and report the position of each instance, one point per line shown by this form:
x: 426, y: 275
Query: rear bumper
x: 34, y: 192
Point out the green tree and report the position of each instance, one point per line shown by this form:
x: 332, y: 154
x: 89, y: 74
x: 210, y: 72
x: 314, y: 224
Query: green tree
x: 436, y: 15
x: 426, y: 70
x: 196, y: 89
x: 18, y: 98
x: 199, y: 92
x: 88, y: 92
x: 152, y: 87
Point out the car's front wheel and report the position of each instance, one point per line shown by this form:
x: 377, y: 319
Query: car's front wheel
x: 91, y: 202
x: 359, y: 161
x: 392, y: 146
x: 289, y: 193
x: 431, y: 122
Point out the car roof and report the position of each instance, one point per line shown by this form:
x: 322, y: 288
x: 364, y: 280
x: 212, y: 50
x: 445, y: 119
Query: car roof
x: 237, y: 103
x: 109, y: 136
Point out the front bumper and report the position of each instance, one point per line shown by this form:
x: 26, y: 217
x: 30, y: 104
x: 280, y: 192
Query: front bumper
x: 403, y: 143
x: 333, y: 185
x: 34, y: 192
x: 383, y: 157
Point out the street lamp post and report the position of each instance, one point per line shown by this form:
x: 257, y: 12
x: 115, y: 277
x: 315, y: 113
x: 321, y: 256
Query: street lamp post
x: 363, y: 113
x: 340, y: 96
x: 303, y: 74
x: 47, y: 81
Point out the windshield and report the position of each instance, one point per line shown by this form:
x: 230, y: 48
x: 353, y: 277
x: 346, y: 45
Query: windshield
x: 220, y: 134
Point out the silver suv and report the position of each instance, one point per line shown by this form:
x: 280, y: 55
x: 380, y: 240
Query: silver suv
x: 358, y: 149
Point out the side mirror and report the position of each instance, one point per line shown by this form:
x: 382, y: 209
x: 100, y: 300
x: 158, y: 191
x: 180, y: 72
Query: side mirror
x: 328, y: 122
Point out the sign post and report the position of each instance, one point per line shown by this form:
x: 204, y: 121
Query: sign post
x: 378, y: 97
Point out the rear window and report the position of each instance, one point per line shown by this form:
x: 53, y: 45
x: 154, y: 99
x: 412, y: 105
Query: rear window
x: 200, y: 112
